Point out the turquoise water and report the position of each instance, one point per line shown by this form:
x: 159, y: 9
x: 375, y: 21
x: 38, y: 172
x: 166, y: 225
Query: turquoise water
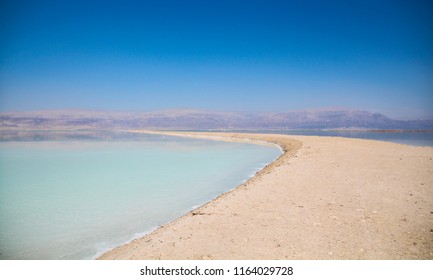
x: 73, y: 195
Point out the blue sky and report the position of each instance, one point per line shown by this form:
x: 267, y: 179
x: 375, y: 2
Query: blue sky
x: 218, y: 55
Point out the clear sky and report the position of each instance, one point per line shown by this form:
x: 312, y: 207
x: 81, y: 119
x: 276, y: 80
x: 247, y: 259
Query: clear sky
x: 218, y: 55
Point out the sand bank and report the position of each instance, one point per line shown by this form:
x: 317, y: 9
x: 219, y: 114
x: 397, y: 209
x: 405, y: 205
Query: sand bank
x: 324, y: 198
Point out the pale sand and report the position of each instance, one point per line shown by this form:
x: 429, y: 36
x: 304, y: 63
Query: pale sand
x: 327, y: 198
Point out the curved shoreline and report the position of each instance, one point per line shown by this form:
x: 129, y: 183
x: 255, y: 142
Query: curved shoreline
x: 285, y: 147
x: 327, y: 198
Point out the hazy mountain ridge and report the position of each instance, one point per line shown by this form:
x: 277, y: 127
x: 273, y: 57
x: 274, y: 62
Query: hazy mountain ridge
x: 188, y: 119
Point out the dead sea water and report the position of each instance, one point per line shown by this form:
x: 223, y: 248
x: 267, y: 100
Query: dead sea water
x: 74, y: 195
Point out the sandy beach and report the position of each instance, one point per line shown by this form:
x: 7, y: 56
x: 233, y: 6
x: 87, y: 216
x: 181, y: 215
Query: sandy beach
x: 324, y: 198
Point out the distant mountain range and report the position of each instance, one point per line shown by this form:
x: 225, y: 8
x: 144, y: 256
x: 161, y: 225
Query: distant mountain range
x: 187, y: 119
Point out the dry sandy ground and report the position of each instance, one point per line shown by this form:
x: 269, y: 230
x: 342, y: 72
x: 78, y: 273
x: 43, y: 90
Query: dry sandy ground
x: 325, y: 198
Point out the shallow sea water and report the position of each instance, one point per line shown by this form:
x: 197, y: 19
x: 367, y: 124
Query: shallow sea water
x: 74, y: 195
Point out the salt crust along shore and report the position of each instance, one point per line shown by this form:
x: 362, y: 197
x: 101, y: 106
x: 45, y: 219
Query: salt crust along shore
x: 324, y: 198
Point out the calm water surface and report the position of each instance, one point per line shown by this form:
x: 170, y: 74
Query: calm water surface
x: 73, y: 195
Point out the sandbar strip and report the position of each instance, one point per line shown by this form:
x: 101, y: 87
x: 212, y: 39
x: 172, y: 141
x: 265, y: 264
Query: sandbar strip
x: 324, y: 198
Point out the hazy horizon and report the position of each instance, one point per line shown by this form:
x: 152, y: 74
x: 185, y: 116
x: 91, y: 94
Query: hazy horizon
x: 210, y: 111
x: 232, y: 56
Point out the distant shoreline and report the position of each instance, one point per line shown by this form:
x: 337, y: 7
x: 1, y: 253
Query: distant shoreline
x: 327, y: 198
x: 209, y: 130
x: 408, y: 137
x: 196, y: 119
x: 386, y: 130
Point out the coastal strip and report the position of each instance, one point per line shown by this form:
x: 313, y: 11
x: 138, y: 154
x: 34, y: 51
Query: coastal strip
x: 323, y: 198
